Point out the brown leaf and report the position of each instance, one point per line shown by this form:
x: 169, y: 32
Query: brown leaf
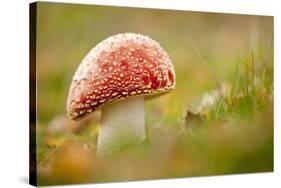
x: 191, y: 119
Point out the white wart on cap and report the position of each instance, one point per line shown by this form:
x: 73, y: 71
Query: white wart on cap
x: 121, y: 66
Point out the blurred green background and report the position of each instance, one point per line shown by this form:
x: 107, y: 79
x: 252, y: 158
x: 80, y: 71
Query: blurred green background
x: 187, y: 133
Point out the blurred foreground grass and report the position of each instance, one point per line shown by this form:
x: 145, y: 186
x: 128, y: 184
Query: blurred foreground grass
x: 218, y: 120
x: 232, y: 134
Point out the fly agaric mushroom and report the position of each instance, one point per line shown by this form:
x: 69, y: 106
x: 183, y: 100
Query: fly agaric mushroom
x: 116, y: 76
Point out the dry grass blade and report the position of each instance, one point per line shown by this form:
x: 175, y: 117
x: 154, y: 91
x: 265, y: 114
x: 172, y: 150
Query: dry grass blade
x: 204, y: 62
x: 52, y: 152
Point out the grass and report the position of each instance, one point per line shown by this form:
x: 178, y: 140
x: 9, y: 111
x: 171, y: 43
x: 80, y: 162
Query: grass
x: 233, y: 135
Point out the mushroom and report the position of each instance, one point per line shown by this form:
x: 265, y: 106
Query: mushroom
x: 116, y: 76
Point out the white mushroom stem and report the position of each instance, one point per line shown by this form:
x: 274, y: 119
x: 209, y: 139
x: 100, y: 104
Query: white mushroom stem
x: 122, y: 123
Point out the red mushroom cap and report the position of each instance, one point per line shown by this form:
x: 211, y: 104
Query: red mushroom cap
x: 121, y: 66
